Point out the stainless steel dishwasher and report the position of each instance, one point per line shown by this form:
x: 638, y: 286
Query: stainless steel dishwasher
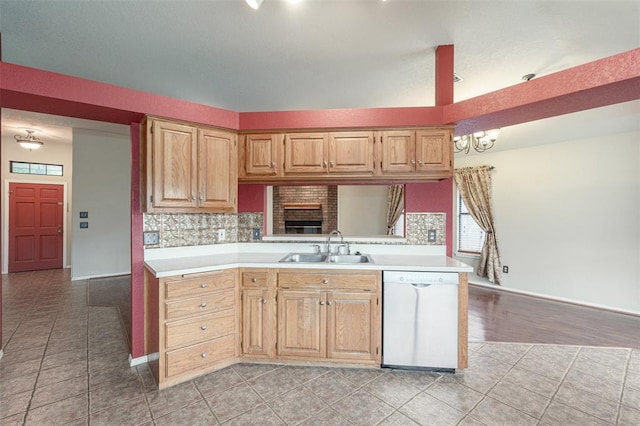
x: 420, y: 320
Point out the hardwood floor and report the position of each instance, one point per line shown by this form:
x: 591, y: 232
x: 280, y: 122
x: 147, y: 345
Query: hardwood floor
x: 499, y: 316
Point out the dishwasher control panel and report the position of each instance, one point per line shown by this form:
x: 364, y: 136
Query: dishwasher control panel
x: 410, y: 277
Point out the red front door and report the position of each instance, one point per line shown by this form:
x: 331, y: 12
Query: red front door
x: 35, y: 226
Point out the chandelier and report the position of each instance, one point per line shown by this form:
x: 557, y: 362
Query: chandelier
x: 480, y: 141
x: 29, y: 141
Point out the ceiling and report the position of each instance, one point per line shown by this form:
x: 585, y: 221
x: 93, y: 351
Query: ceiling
x: 322, y: 54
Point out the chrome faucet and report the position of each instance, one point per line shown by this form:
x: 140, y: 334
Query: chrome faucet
x: 334, y: 232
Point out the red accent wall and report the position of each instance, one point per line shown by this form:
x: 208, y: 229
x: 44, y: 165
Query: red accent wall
x: 137, y: 249
x: 444, y: 75
x: 434, y: 197
x: 251, y: 198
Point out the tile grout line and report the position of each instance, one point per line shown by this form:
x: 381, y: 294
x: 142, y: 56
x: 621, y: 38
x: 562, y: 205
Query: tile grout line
x: 624, y: 382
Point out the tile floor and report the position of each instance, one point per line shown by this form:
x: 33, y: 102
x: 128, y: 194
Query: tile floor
x: 67, y: 363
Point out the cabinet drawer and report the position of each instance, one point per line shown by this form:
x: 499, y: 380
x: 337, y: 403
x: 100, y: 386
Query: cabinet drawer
x: 204, y: 327
x: 356, y: 281
x: 195, y: 285
x: 209, y: 302
x: 199, y: 356
x: 255, y: 279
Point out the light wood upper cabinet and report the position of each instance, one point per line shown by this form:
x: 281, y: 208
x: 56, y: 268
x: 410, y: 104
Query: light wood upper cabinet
x: 174, y: 163
x: 261, y: 155
x: 188, y: 168
x: 306, y: 153
x: 351, y: 153
x: 417, y: 152
x: 339, y: 153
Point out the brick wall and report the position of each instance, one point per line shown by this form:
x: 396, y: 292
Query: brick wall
x: 326, y: 196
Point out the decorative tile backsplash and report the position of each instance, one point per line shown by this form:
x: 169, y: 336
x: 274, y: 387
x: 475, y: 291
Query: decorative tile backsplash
x: 194, y: 229
x: 419, y: 224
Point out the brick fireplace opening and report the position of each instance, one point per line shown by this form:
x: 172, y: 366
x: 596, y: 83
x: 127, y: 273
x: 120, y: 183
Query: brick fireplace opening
x: 305, y: 209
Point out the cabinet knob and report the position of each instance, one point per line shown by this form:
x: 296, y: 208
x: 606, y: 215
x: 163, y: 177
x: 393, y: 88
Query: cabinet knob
x: 420, y: 162
x: 264, y: 301
x: 272, y: 165
x: 193, y: 198
x: 322, y: 303
x: 203, y: 285
x: 331, y: 163
x: 325, y: 281
x: 324, y: 163
x: 254, y: 280
x: 201, y: 198
x: 203, y: 305
x: 413, y: 161
x: 204, y: 355
x: 203, y: 328
x: 328, y: 302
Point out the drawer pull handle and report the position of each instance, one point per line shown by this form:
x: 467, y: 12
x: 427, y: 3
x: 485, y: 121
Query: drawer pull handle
x: 203, y: 305
x: 254, y: 280
x: 204, y: 355
x: 203, y: 285
x: 203, y: 328
x: 325, y: 281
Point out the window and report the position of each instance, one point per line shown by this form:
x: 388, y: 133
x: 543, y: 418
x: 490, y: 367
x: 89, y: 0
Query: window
x: 35, y: 168
x: 470, y: 235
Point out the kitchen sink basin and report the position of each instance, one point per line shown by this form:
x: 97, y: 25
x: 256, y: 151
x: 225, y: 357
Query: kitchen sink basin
x: 350, y: 258
x: 304, y: 258
x: 319, y: 258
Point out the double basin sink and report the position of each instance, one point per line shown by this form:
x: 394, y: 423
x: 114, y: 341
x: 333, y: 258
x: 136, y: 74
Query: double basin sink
x: 326, y: 258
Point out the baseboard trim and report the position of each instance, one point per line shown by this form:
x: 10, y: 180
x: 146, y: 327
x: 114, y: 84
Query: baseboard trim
x: 89, y: 277
x: 558, y: 299
x: 142, y: 359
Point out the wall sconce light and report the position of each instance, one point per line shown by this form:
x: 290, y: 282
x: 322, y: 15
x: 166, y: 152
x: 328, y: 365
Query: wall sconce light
x: 481, y: 141
x: 29, y: 142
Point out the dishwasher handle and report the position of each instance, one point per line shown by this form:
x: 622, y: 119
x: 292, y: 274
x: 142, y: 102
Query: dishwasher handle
x: 420, y: 285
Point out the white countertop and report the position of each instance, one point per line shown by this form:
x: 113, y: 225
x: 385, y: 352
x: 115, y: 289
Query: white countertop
x: 188, y: 262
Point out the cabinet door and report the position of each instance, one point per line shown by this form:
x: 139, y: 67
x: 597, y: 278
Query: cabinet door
x: 305, y: 153
x: 351, y: 152
x: 258, y: 326
x: 174, y: 165
x: 261, y: 154
x: 433, y: 151
x: 352, y: 326
x: 398, y: 151
x: 217, y: 171
x: 301, y: 323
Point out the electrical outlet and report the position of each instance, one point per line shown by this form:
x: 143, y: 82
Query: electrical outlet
x: 431, y: 236
x: 505, y: 269
x: 151, y: 238
x: 256, y: 234
x: 222, y: 234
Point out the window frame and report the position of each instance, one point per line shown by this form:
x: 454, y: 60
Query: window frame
x: 462, y: 252
x: 31, y: 164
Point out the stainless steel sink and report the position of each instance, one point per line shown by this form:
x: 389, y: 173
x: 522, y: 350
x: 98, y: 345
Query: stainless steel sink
x: 304, y: 258
x: 319, y: 258
x: 350, y: 258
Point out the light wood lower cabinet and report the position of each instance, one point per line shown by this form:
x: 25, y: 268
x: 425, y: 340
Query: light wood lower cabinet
x: 192, y: 322
x: 258, y: 313
x: 329, y: 316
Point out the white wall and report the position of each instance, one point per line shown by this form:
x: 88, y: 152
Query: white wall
x: 101, y: 187
x: 568, y: 218
x: 362, y: 209
x: 50, y: 153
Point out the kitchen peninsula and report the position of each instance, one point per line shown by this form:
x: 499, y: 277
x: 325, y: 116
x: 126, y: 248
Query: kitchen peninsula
x: 212, y: 306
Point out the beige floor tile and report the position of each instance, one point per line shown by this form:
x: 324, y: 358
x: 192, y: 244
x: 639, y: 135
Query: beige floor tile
x: 234, y: 402
x: 392, y: 388
x: 491, y: 411
x: 197, y: 414
x: 261, y: 415
x: 58, y: 391
x: 427, y: 410
x: 456, y: 395
x: 62, y: 411
x: 165, y: 401
x: 331, y: 387
x: 326, y: 417
x: 560, y: 414
x: 297, y: 405
x: 587, y: 402
x: 520, y: 398
x: 362, y: 408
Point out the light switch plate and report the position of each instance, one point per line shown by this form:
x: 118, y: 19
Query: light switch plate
x: 431, y: 235
x: 151, y: 237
